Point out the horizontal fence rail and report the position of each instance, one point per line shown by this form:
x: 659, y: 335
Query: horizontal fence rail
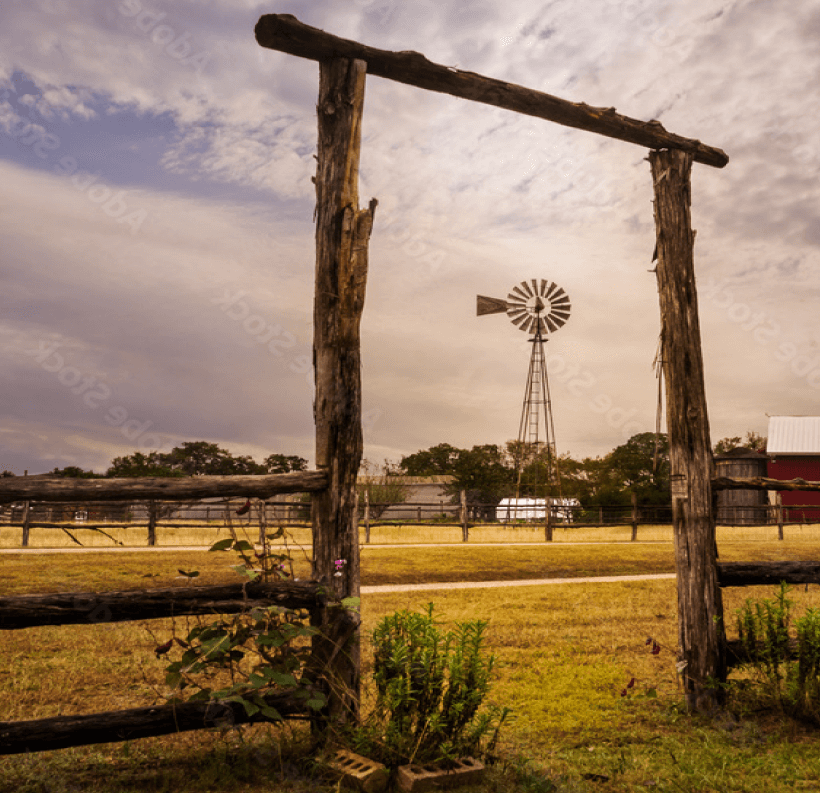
x: 74, y: 608
x: 26, y: 488
x: 61, y: 732
x: 767, y: 573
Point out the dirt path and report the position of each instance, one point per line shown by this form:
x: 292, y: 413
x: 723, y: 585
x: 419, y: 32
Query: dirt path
x: 603, y: 579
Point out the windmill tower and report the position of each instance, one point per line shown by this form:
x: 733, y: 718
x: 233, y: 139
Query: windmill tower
x: 538, y: 307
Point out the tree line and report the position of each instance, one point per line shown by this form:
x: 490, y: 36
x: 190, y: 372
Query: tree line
x: 486, y: 472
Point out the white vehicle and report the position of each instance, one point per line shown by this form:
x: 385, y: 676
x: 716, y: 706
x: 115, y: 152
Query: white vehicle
x: 535, y: 509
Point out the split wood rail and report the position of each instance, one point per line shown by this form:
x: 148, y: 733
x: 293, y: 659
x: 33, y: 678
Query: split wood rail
x: 102, y: 608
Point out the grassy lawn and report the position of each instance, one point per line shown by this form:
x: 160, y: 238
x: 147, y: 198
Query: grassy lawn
x: 565, y: 655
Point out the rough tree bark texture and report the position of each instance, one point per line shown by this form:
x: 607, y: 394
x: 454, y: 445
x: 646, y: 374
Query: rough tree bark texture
x: 701, y: 630
x: 342, y: 235
x: 94, y: 608
x: 21, y: 488
x: 60, y: 732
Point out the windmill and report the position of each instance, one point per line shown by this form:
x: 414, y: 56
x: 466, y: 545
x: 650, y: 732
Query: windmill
x: 539, y: 307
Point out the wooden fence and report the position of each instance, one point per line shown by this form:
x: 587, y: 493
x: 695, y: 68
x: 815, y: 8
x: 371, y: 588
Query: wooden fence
x: 101, y: 608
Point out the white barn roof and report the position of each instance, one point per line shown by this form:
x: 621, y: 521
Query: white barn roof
x: 793, y: 435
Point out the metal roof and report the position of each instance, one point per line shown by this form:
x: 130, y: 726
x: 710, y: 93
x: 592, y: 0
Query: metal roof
x: 793, y: 435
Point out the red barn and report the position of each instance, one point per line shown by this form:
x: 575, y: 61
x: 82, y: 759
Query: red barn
x: 794, y: 452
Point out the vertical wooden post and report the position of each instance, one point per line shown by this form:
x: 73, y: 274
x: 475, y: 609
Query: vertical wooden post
x: 152, y: 523
x: 701, y: 632
x: 366, y: 515
x: 342, y: 235
x: 779, y: 503
x: 261, y: 511
x: 547, y: 520
x: 465, y: 530
x: 600, y: 515
x: 634, y: 516
x: 26, y: 523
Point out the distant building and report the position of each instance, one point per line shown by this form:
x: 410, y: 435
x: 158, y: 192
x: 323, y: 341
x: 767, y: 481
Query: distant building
x: 794, y: 453
x: 424, y: 497
x: 742, y: 507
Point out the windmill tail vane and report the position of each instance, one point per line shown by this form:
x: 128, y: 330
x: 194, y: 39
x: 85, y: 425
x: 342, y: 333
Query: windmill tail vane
x: 539, y: 307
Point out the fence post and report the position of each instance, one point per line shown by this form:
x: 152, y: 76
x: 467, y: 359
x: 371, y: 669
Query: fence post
x: 547, y: 520
x: 779, y: 503
x: 342, y: 236
x: 634, y: 516
x: 152, y: 523
x: 26, y: 522
x: 701, y: 629
x: 465, y: 531
x: 261, y: 508
x: 366, y: 515
x: 600, y: 515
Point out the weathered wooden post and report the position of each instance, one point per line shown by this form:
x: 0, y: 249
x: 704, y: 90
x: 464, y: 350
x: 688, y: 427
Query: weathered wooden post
x: 26, y: 523
x: 634, y: 517
x: 547, y: 520
x: 152, y: 522
x: 342, y: 235
x: 701, y: 631
x: 779, y: 502
x: 366, y: 515
x: 465, y: 529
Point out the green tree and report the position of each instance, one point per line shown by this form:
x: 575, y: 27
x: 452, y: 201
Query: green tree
x: 201, y: 458
x: 75, y: 472
x: 282, y: 464
x: 636, y: 467
x: 753, y: 441
x: 484, y: 472
x: 139, y: 464
x: 436, y: 461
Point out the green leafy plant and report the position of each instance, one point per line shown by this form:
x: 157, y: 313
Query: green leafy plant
x: 787, y: 664
x: 245, y: 656
x: 430, y: 686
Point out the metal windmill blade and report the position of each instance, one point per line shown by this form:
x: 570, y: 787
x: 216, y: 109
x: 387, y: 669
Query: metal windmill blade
x: 537, y: 306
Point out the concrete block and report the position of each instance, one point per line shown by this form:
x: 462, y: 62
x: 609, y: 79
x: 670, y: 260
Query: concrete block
x: 358, y: 772
x: 416, y: 778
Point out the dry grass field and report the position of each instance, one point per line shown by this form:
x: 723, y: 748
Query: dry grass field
x: 565, y: 655
x: 407, y: 534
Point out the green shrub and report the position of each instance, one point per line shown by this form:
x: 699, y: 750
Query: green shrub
x: 787, y: 666
x: 430, y: 686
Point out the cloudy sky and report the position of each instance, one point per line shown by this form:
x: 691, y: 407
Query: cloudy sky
x: 157, y: 239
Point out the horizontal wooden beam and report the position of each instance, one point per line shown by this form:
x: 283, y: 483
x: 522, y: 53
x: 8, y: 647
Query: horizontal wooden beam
x: 767, y: 573
x: 83, y: 608
x: 60, y: 732
x: 57, y: 488
x: 285, y: 33
x: 762, y: 483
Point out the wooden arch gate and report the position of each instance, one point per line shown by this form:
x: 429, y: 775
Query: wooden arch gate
x: 342, y: 235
